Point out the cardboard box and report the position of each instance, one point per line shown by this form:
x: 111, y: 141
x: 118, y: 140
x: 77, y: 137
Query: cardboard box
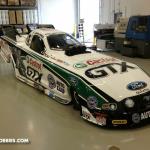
x: 13, y: 2
x: 12, y: 17
x: 28, y: 2
x: 3, y: 2
x: 19, y: 16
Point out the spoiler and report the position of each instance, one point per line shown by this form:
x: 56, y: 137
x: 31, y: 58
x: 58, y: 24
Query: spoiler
x: 8, y: 31
x: 12, y: 31
x: 32, y: 27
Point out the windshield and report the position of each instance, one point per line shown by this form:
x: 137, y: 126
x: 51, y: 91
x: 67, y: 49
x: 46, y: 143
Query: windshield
x: 61, y: 41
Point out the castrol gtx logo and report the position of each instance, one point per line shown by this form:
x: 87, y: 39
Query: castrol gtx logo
x: 108, y: 70
x: 138, y: 85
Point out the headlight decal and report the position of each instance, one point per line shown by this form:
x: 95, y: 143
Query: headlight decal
x: 129, y: 103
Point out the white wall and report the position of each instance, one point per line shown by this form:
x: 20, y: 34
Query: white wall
x: 128, y: 7
x: 89, y: 11
x: 63, y: 13
x: 136, y: 7
x: 60, y: 13
x: 107, y: 11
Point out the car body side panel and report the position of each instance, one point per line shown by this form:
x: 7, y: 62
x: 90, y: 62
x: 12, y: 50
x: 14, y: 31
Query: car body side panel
x: 34, y: 72
x: 81, y: 86
x: 57, y: 80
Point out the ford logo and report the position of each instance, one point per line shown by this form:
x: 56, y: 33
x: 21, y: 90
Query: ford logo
x: 138, y: 85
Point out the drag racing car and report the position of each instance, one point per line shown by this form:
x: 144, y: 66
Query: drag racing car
x: 106, y: 90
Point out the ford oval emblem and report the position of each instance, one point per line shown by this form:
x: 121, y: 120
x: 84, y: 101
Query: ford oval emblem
x: 138, y: 85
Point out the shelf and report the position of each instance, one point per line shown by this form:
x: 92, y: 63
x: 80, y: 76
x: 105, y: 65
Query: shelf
x: 18, y: 7
x: 15, y: 13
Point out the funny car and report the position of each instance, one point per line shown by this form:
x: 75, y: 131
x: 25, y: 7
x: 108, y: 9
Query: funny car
x: 107, y: 91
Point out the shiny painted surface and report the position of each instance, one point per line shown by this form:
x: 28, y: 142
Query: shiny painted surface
x: 26, y: 113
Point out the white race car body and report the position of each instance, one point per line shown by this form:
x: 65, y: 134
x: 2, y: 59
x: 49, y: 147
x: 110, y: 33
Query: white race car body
x: 107, y: 90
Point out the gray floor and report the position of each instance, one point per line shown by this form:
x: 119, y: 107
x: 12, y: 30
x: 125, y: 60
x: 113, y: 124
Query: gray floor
x: 27, y: 113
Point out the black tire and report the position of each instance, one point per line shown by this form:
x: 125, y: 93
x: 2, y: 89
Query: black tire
x: 76, y: 101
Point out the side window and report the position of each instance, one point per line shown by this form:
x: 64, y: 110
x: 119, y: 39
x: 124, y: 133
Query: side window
x: 134, y: 25
x: 141, y: 25
x: 37, y: 44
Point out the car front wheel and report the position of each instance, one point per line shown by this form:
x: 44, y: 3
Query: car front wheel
x: 76, y: 101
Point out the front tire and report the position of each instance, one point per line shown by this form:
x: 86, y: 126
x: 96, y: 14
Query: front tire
x: 76, y: 101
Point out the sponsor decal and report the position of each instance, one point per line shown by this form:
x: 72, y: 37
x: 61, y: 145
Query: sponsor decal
x: 86, y: 115
x: 33, y: 74
x: 100, y: 61
x: 106, y: 106
x: 104, y: 70
x: 55, y: 84
x: 60, y: 87
x: 136, y: 118
x: 100, y: 118
x: 44, y: 53
x: 80, y: 65
x: 109, y: 106
x: 34, y: 63
x: 91, y: 62
x: 138, y: 85
x: 73, y: 81
x: 142, y: 91
x: 92, y: 102
x: 59, y: 60
x: 145, y: 115
x: 51, y: 81
x: 119, y: 122
x: 53, y: 58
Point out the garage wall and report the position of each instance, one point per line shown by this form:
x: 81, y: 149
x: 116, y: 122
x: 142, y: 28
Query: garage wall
x: 135, y: 7
x: 60, y: 13
x: 128, y: 7
x: 89, y: 11
x: 107, y: 11
x: 63, y: 14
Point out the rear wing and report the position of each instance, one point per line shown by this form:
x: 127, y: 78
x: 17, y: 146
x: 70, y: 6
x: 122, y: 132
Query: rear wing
x: 9, y: 34
x: 32, y: 27
x: 12, y: 31
x: 9, y: 31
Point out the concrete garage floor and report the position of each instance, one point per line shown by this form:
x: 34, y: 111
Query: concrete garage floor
x: 26, y: 113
